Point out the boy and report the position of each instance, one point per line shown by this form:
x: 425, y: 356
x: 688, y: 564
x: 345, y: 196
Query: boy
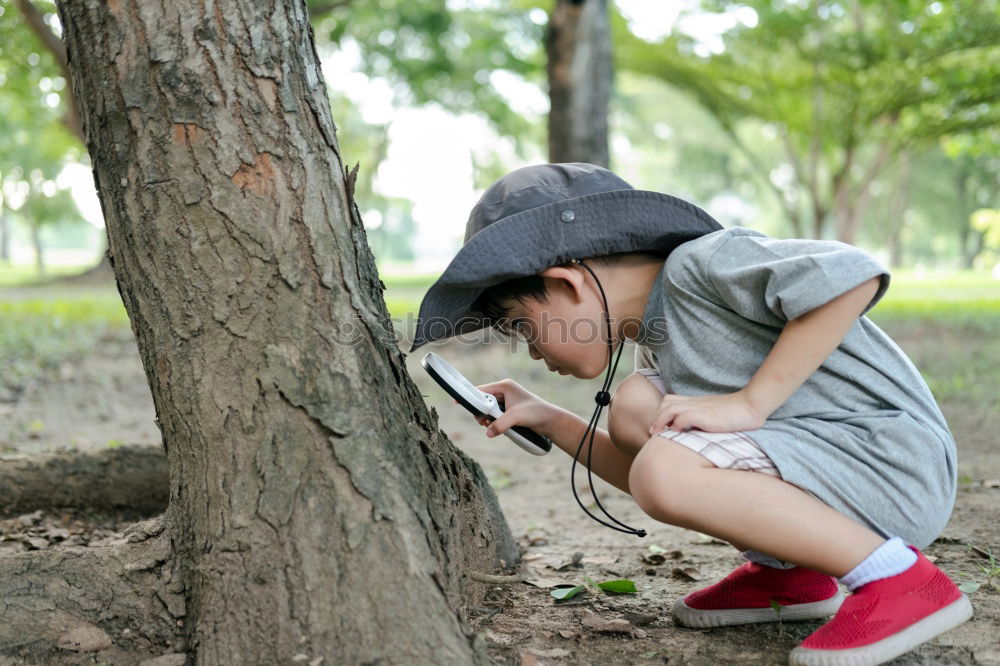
x: 754, y: 356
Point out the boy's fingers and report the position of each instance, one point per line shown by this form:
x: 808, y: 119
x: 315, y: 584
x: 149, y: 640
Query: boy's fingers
x: 499, y: 426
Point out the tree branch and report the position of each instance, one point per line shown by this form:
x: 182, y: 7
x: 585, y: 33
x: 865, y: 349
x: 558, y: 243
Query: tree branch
x: 320, y: 8
x: 36, y: 21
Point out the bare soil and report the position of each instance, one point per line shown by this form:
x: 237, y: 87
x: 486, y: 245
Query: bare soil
x: 103, y: 398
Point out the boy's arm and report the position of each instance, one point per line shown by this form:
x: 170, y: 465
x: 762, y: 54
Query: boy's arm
x: 566, y: 429
x: 803, y: 345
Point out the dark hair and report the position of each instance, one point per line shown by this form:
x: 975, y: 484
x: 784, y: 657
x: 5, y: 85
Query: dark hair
x: 495, y: 302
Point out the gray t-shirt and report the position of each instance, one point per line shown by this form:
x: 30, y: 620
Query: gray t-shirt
x: 863, y: 433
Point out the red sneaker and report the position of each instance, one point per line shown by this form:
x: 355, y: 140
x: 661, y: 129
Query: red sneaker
x: 745, y: 596
x: 886, y: 618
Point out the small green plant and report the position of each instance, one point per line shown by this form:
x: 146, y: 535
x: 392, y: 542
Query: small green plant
x: 617, y: 586
x: 991, y: 569
x: 781, y: 627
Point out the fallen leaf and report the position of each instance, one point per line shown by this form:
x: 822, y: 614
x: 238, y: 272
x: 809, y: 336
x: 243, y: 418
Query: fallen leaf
x: 639, y: 619
x: 599, y: 559
x: 687, y: 573
x: 497, y: 639
x: 564, y: 593
x: 656, y: 550
x: 620, y: 586
x: 553, y: 653
x: 969, y: 587
x: 944, y: 538
x: 704, y: 538
x: 607, y: 625
x: 545, y: 583
x: 29, y: 519
x: 569, y: 633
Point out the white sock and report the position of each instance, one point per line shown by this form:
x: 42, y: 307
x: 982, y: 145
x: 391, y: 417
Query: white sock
x: 766, y: 560
x: 889, y: 559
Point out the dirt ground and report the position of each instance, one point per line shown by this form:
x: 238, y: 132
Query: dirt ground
x: 103, y: 398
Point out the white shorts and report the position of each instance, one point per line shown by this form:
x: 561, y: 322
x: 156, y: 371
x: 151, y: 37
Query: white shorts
x: 727, y: 450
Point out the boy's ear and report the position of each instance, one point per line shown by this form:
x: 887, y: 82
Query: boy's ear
x: 566, y: 278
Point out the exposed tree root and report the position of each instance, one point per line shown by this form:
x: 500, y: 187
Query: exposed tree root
x: 125, y: 599
x: 125, y: 477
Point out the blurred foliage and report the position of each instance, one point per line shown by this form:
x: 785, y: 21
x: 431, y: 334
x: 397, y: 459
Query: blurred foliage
x: 433, y: 53
x: 35, y: 144
x: 841, y: 88
x: 389, y: 223
x: 883, y: 108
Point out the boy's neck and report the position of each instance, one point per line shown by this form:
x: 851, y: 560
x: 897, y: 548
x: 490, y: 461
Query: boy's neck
x: 628, y: 288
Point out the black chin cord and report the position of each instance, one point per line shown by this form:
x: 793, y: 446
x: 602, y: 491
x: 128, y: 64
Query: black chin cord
x: 602, y: 398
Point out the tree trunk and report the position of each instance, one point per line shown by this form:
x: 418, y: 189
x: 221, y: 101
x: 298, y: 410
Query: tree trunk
x: 898, y: 203
x: 5, y: 230
x: 316, y: 510
x: 578, y: 44
x: 36, y: 242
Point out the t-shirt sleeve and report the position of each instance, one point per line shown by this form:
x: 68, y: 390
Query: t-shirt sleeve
x: 772, y: 281
x: 644, y: 358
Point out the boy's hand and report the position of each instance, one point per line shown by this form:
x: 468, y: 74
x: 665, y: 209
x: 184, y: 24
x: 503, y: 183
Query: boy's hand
x: 521, y: 408
x: 711, y: 413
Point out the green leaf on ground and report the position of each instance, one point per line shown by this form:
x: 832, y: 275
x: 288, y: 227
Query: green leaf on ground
x: 620, y: 586
x: 656, y: 550
x: 969, y: 587
x: 564, y: 593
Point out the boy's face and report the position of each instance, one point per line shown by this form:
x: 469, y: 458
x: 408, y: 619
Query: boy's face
x: 568, y: 331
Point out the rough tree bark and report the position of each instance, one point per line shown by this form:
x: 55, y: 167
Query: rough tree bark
x: 316, y: 510
x: 578, y: 45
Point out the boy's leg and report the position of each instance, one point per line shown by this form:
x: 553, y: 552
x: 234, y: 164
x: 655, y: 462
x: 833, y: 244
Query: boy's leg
x: 632, y: 408
x: 630, y: 412
x: 675, y: 485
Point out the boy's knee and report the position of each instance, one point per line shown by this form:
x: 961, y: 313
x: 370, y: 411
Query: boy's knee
x: 632, y: 407
x: 663, y: 480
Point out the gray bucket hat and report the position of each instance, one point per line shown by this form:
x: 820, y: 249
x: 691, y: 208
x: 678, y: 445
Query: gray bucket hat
x: 545, y: 215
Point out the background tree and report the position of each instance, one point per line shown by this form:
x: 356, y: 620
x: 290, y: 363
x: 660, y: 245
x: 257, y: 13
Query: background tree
x: 976, y: 157
x: 315, y: 507
x: 433, y: 54
x: 578, y: 49
x: 38, y: 140
x: 843, y: 87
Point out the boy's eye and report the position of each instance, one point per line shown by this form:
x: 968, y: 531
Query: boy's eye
x: 517, y: 326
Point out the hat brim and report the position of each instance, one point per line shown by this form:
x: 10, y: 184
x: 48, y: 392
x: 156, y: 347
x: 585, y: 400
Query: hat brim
x: 535, y: 239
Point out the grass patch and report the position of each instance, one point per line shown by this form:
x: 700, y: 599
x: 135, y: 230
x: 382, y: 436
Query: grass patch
x: 36, y: 334
x: 24, y: 275
x: 965, y: 299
